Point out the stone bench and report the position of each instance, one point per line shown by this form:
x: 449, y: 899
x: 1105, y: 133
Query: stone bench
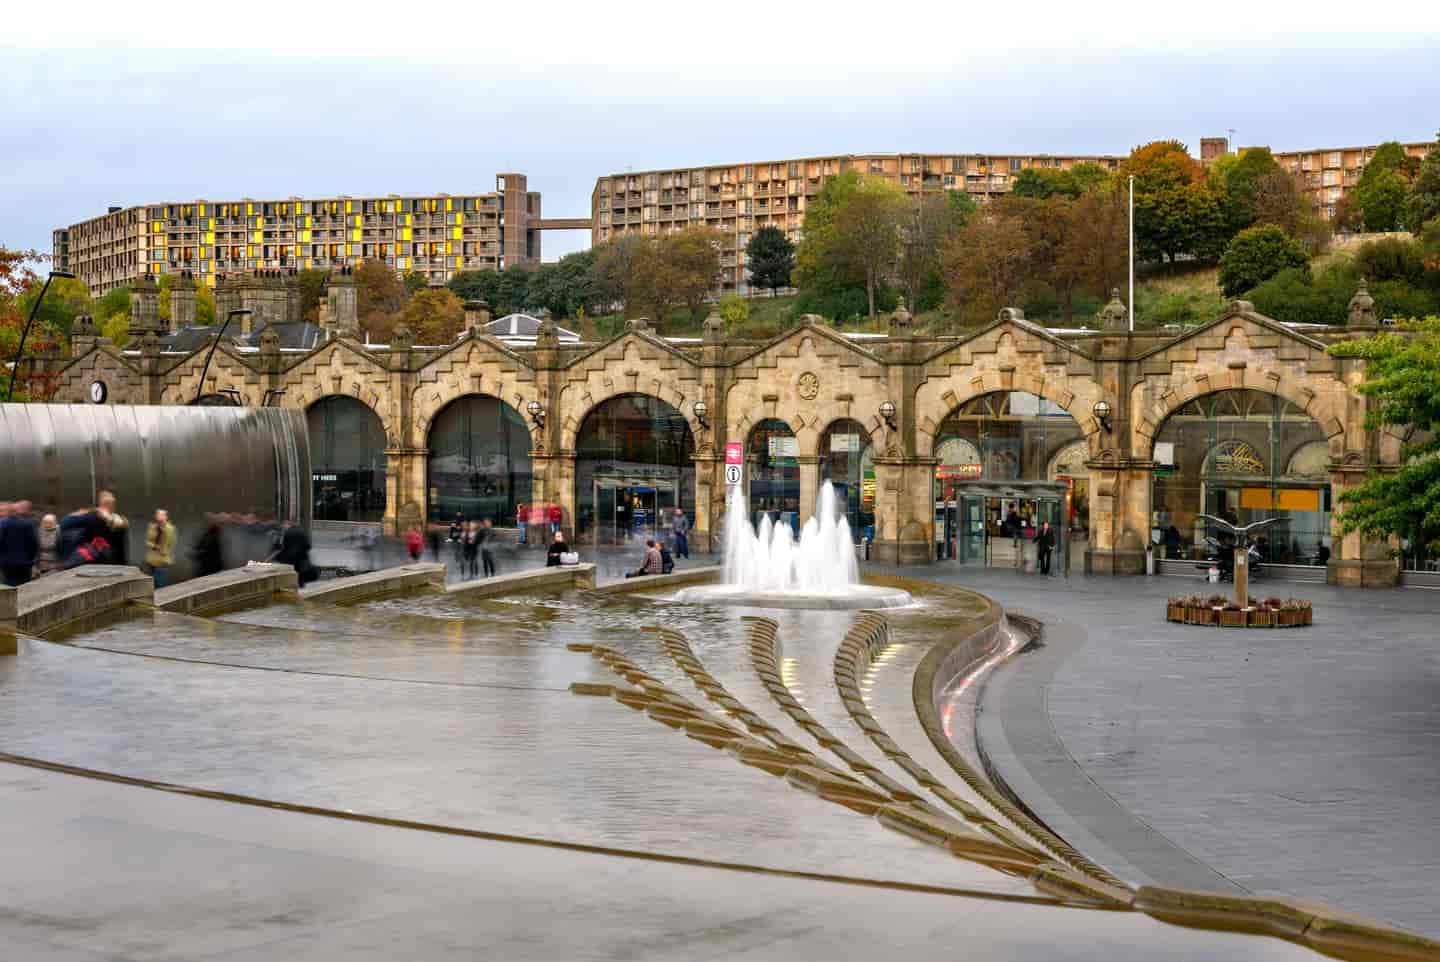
x: 675, y: 579
x: 543, y: 579
x: 56, y: 600
x: 253, y: 583
x: 373, y: 584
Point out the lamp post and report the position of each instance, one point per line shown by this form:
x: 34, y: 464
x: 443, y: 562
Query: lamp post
x: 34, y: 309
x: 702, y: 411
x: 1132, y: 253
x: 200, y: 388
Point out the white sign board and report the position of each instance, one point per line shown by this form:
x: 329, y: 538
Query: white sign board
x: 1165, y: 452
x: 784, y: 447
x: 844, y: 443
x: 732, y: 475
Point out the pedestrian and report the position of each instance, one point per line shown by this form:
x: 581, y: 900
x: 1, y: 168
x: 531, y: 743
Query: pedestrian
x: 457, y: 538
x: 1322, y: 554
x: 19, y: 543
x: 160, y: 546
x: 1044, y: 544
x: 667, y: 561
x: 652, y: 564
x: 295, y: 552
x: 118, y: 526
x: 522, y: 518
x: 681, y: 529
x: 414, y: 542
x: 48, y: 559
x: 432, y: 534
x: 555, y: 518
x: 470, y: 550
x: 557, y: 548
x: 487, y: 556
x: 370, y: 545
x: 207, y: 555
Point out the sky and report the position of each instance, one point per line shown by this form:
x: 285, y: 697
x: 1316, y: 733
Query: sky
x: 108, y: 108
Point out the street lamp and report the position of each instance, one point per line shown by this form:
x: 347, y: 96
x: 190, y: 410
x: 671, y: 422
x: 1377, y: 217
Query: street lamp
x: 887, y: 413
x: 200, y: 388
x: 34, y: 309
x: 702, y: 409
x: 536, y: 410
x: 1101, y: 410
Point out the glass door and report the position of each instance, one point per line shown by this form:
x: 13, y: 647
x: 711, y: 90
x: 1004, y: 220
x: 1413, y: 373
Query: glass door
x: 608, y: 499
x: 972, y: 540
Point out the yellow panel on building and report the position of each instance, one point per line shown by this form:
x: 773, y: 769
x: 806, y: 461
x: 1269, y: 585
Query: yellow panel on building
x: 1281, y: 499
x: 449, y: 247
x: 309, y: 221
x: 356, y: 220
x: 309, y: 263
x: 211, y: 225
x: 304, y: 236
x: 354, y: 233
x: 249, y: 208
x: 455, y: 233
x: 404, y: 233
x: 154, y: 227
x: 349, y: 206
x: 449, y: 203
x: 347, y: 250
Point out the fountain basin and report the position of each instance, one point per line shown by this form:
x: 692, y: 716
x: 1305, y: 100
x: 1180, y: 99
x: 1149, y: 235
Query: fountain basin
x: 854, y: 597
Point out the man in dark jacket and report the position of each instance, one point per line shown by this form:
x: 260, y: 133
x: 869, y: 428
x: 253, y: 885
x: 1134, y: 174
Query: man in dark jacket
x: 1044, y: 544
x: 295, y: 551
x: 558, y: 547
x: 19, y: 543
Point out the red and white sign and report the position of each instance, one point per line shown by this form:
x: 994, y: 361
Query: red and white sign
x: 734, y: 452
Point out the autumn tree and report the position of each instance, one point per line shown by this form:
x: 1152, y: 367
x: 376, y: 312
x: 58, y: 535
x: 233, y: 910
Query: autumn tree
x: 852, y: 234
x: 435, y: 314
x: 691, y: 259
x: 986, y: 265
x: 380, y: 297
x: 1178, y: 211
x: 930, y: 225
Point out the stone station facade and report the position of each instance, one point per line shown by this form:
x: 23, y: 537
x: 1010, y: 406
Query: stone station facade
x: 810, y: 377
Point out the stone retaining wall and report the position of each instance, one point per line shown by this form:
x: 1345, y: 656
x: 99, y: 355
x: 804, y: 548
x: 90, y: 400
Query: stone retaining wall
x: 56, y: 600
x: 373, y: 584
x: 251, y: 584
x: 546, y: 579
x: 675, y: 579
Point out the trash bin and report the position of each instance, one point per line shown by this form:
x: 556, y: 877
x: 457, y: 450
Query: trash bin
x: 1149, y: 559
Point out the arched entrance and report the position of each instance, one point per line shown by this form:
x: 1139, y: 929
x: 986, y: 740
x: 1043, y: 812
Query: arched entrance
x: 1242, y: 455
x: 996, y: 479
x: 773, y: 467
x: 479, y: 463
x: 633, y: 465
x: 847, y: 462
x: 347, y: 460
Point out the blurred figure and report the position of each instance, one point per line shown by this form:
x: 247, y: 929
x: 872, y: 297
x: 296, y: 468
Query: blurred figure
x: 295, y: 552
x: 414, y: 542
x: 487, y: 556
x: 557, y: 548
x: 470, y: 550
x: 48, y: 559
x: 160, y: 546
x: 522, y: 519
x: 206, y: 554
x: 19, y: 543
x: 118, y: 526
x: 680, y: 528
x: 555, y: 517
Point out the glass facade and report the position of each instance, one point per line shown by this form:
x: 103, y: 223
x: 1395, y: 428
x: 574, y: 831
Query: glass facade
x: 633, y: 464
x: 1243, y: 456
x: 773, y: 468
x: 846, y: 461
x: 479, y: 461
x: 347, y: 460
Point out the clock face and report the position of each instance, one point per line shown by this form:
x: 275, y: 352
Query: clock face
x: 98, y: 392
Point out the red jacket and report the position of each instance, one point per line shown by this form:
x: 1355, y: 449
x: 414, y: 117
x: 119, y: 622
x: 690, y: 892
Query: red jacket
x: 554, y: 514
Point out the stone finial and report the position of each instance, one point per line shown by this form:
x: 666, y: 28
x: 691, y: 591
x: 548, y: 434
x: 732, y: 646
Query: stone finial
x: 402, y: 338
x: 1362, y: 308
x: 1115, y: 316
x: 182, y: 301
x: 547, y: 336
x: 714, y: 326
x: 901, y: 322
x: 84, y: 326
x: 144, y: 305
x: 1242, y: 307
x: 1011, y: 314
x: 812, y: 320
x: 149, y: 344
x: 269, y: 342
x: 638, y: 324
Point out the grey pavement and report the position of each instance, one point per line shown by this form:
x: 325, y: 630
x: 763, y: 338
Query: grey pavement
x: 1299, y: 761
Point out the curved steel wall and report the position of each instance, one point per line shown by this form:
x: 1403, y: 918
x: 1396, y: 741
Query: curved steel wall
x: 189, y: 460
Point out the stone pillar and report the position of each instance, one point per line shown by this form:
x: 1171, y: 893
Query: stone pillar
x: 227, y: 297
x: 710, y: 496
x: 1355, y: 560
x: 406, y: 499
x: 904, y: 509
x: 144, y: 305
x: 553, y: 482
x: 477, y: 315
x: 182, y: 301
x: 343, y: 298
x: 9, y: 613
x: 1119, y: 517
x: 83, y: 335
x: 809, y: 483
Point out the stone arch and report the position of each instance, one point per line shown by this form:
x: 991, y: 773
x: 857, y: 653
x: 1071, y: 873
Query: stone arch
x: 502, y: 490
x: 227, y: 373
x: 488, y: 379
x: 338, y: 369
x: 1149, y: 415
x: 591, y: 401
x: 349, y: 465
x: 1077, y: 400
x: 312, y: 394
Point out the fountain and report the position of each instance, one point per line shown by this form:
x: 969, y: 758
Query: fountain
x: 768, y: 568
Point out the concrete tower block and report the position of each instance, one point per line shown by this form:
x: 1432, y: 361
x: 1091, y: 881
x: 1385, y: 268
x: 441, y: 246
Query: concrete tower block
x: 182, y: 301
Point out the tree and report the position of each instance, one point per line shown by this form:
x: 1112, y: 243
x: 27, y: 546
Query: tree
x: 933, y: 222
x: 1042, y: 183
x: 311, y: 284
x: 617, y: 267
x: 1241, y: 177
x: 380, y: 297
x: 690, y: 258
x: 414, y: 281
x: 1380, y: 200
x: 1423, y: 204
x: 734, y: 309
x: 771, y: 258
x: 1390, y: 259
x: 865, y: 240
x: 435, y: 314
x: 1257, y: 254
x: 1403, y: 384
x: 1177, y: 210
x: 986, y: 265
x: 814, y: 266
x: 1276, y: 198
x: 1097, y: 240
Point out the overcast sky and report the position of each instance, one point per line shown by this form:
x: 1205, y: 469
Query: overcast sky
x: 107, y: 108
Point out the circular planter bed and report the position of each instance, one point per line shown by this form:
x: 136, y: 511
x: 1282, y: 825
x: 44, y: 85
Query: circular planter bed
x: 1217, y: 611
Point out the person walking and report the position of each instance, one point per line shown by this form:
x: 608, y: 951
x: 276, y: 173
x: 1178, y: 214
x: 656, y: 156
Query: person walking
x: 207, y: 555
x: 432, y: 534
x: 487, y: 555
x: 680, y: 527
x: 457, y: 538
x: 48, y: 559
x: 522, y: 520
x: 470, y: 551
x: 557, y: 548
x: 160, y: 546
x: 415, y: 542
x: 19, y: 543
x: 555, y: 518
x: 119, y: 529
x: 1044, y: 544
x: 295, y: 552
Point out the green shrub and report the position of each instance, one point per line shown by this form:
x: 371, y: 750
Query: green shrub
x: 1257, y: 254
